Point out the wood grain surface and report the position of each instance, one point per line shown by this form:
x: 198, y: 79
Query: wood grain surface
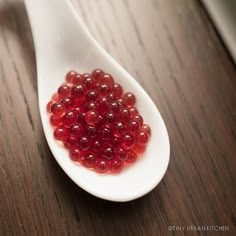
x: 173, y: 50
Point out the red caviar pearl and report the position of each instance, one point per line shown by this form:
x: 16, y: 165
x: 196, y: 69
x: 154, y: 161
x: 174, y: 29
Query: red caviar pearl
x: 102, y: 105
x: 70, y: 118
x: 117, y: 90
x: 119, y: 129
x: 107, y: 79
x: 132, y: 157
x: 83, y: 143
x: 103, y: 89
x: 77, y: 79
x: 125, y: 115
x: 91, y: 96
x: 55, y: 97
x: 127, y: 141
x: 55, y: 120
x: 142, y: 138
x: 63, y: 90
x: 67, y: 102
x: 121, y: 154
x: 76, y: 130
x: 146, y: 128
x: 91, y: 131
x: 57, y: 109
x: 69, y: 76
x: 101, y: 166
x: 89, y: 83
x: 109, y: 118
x: 61, y: 133
x: 75, y: 154
x: 49, y: 104
x: 89, y: 160
x: 91, y: 117
x: 139, y: 119
x: 139, y: 148
x: 116, y: 166
x: 129, y: 99
x: 108, y: 153
x: 70, y: 142
x: 96, y: 146
x: 133, y: 111
x: 133, y: 126
x: 105, y: 133
x: 97, y: 73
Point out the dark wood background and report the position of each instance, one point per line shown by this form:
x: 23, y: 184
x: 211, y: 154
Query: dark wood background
x: 173, y: 50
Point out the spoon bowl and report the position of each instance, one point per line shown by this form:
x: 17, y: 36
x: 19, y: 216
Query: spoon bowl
x: 62, y: 43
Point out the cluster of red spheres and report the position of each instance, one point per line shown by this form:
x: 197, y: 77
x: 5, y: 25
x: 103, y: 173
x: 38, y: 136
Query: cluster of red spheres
x: 97, y: 122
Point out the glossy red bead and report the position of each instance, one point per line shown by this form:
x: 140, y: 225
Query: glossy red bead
x: 96, y: 146
x: 107, y: 79
x: 142, y: 138
x: 132, y: 157
x: 124, y: 115
x: 70, y: 118
x: 102, y: 166
x: 78, y: 91
x: 103, y: 90
x: 83, y: 143
x: 56, y: 120
x: 61, y: 133
x: 97, y: 73
x: 89, y: 83
x: 127, y: 141
x: 129, y: 99
x: 91, y: 96
x: 108, y: 153
x: 63, y: 90
x: 105, y: 133
x: 55, y: 97
x: 76, y: 130
x: 121, y: 154
x: 133, y: 111
x: 138, y: 119
x: 102, y: 105
x: 75, y: 154
x: 116, y: 107
x: 117, y: 90
x: 48, y: 108
x: 91, y: 117
x: 70, y: 142
x: 67, y: 102
x: 91, y: 106
x: 58, y: 109
x: 91, y: 131
x: 89, y: 160
x: 133, y: 126
x: 119, y: 128
x: 69, y: 76
x: 146, y: 128
x: 116, y: 166
x: 109, y: 118
x: 77, y: 79
x: 139, y: 148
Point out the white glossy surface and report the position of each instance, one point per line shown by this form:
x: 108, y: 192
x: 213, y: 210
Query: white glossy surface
x: 63, y: 43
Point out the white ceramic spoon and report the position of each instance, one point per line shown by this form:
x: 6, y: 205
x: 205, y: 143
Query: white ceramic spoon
x: 62, y: 43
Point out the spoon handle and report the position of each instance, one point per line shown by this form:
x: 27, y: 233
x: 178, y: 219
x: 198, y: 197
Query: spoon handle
x: 53, y: 23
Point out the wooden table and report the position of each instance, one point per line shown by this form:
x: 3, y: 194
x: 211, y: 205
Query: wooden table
x: 174, y: 51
